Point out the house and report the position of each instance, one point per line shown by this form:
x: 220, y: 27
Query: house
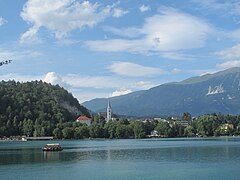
x: 153, y: 134
x: 181, y: 122
x: 226, y: 127
x: 103, y: 114
x: 84, y: 119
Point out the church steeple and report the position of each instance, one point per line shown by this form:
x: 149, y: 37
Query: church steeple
x: 109, y: 111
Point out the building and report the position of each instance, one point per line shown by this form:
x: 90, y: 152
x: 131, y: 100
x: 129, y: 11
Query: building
x: 107, y: 115
x: 84, y: 119
x: 154, y: 133
x: 46, y: 138
x: 226, y: 127
x: 102, y: 115
x: 182, y: 123
x: 109, y: 111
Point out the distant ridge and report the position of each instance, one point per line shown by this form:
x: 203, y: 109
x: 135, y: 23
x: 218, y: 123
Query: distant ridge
x: 205, y: 77
x: 217, y: 92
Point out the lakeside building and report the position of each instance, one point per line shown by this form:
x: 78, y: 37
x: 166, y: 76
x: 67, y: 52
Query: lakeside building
x: 173, y: 120
x: 159, y: 119
x: 84, y: 119
x: 44, y: 138
x: 181, y: 122
x: 153, y: 134
x: 226, y: 127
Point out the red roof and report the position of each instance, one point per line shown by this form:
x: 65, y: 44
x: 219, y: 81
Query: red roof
x: 83, y: 118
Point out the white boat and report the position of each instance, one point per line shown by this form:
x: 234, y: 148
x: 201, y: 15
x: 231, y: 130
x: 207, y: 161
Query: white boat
x: 52, y: 147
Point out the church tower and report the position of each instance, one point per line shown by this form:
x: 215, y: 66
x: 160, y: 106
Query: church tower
x: 109, y: 111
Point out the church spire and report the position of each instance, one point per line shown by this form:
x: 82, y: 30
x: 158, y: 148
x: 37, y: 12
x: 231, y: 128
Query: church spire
x: 109, y: 110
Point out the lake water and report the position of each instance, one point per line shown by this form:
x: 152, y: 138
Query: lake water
x: 182, y: 158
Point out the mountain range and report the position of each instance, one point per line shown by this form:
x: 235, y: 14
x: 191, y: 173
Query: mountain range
x: 210, y: 93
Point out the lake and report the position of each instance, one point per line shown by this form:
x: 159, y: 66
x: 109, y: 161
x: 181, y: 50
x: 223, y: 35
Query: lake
x: 175, y: 158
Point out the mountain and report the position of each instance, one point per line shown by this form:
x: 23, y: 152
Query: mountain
x: 210, y: 93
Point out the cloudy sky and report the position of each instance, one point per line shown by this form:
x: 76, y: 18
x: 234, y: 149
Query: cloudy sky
x: 108, y: 48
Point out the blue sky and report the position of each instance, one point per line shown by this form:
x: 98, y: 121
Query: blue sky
x: 109, y: 48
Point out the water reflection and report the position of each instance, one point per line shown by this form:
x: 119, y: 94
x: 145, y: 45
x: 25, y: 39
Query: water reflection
x: 130, y: 150
x: 50, y: 156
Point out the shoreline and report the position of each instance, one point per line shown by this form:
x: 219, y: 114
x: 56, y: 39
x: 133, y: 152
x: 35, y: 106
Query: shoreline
x: 9, y: 139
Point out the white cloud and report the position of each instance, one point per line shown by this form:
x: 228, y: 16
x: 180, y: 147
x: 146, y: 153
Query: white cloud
x: 89, y: 95
x: 121, y: 91
x: 2, y: 21
x: 97, y: 82
x: 53, y: 78
x: 30, y: 36
x: 230, y: 7
x: 230, y: 53
x: 176, y: 55
x: 133, y: 70
x: 235, y: 35
x: 176, y: 71
x: 144, y: 8
x: 144, y: 85
x: 231, y: 56
x: 76, y: 81
x: 62, y: 16
x: 86, y: 87
x: 105, y: 82
x: 229, y: 64
x: 201, y: 72
x: 16, y: 55
x: 131, y: 32
x: 117, y: 12
x: 168, y: 31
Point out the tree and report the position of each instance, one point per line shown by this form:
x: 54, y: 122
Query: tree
x: 122, y: 131
x: 95, y: 131
x: 28, y: 127
x: 110, y: 129
x: 164, y: 129
x: 149, y: 127
x: 81, y: 132
x: 187, y: 117
x: 188, y: 131
x: 68, y: 133
x: 138, y: 129
x: 57, y: 132
x: 205, y: 126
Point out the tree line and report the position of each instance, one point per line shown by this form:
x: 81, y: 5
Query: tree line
x: 206, y: 125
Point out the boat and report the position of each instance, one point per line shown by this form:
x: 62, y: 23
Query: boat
x: 52, y: 147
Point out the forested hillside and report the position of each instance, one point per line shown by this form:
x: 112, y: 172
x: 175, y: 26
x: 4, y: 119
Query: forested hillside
x: 35, y: 108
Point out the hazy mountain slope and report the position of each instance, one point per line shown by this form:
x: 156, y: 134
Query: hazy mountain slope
x: 218, y: 92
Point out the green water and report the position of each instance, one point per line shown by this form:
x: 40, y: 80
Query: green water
x: 184, y: 158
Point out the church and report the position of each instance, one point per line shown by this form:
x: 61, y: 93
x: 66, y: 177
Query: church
x: 109, y: 111
x: 108, y: 114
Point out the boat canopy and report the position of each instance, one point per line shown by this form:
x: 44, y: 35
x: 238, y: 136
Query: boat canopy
x: 56, y: 144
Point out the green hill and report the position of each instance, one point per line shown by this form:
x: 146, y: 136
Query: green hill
x: 35, y: 108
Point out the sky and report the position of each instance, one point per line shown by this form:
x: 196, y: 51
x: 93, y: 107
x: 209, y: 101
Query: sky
x: 113, y: 47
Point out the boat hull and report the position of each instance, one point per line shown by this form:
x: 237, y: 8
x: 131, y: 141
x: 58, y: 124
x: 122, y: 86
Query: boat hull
x: 49, y: 149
